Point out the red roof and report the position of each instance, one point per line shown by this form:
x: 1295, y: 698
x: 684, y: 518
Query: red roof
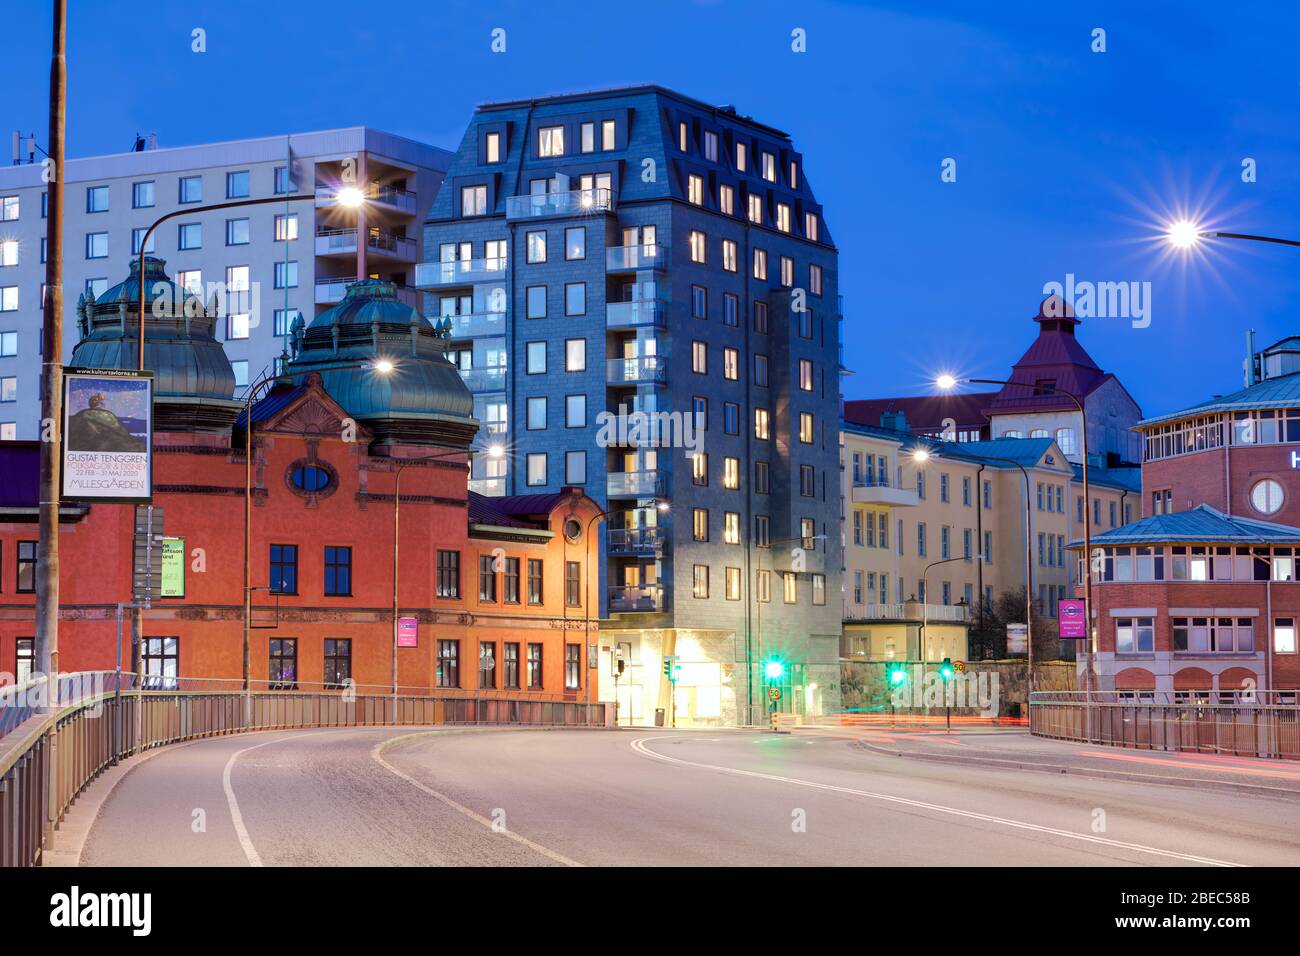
x: 1054, y: 358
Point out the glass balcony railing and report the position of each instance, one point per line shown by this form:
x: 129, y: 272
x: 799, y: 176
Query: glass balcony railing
x: 337, y: 241
x: 637, y: 484
x: 492, y: 487
x: 463, y: 272
x: 634, y: 258
x: 477, y: 325
x: 576, y: 202
x: 401, y: 200
x: 638, y: 597
x: 484, y: 379
x: 638, y: 312
x: 637, y: 540
x: 640, y: 370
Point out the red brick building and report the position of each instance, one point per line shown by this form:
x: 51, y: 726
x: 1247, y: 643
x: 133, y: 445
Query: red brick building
x: 500, y: 580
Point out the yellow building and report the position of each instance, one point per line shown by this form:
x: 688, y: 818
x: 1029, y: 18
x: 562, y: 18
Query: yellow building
x: 934, y: 532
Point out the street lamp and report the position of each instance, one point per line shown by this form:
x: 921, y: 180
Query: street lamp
x: 1185, y: 234
x: 948, y: 382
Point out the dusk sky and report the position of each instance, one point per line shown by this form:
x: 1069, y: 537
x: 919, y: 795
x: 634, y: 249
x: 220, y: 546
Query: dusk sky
x: 1067, y: 160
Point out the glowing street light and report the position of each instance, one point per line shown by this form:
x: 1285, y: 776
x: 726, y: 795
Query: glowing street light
x: 945, y: 382
x: 383, y: 366
x: 350, y: 197
x: 495, y: 451
x: 774, y: 669
x: 921, y: 456
x: 1183, y: 234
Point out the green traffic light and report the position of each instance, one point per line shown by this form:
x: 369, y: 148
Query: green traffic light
x: 774, y: 669
x: 897, y: 675
x: 946, y: 670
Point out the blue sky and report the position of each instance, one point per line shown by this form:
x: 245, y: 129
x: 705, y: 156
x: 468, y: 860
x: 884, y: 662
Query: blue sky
x: 1066, y: 159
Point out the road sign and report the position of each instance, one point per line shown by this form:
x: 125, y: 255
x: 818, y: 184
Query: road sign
x: 1073, y: 623
x: 147, y: 568
x: 959, y: 666
x: 774, y: 694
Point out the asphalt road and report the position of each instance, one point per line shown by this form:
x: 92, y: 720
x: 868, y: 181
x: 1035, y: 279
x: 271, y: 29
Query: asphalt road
x: 395, y: 797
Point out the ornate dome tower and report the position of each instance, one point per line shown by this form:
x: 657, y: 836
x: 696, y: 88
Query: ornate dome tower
x: 421, y: 401
x: 194, y: 384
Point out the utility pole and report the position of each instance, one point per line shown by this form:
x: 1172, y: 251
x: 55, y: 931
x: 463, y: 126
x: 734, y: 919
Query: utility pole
x: 46, y: 645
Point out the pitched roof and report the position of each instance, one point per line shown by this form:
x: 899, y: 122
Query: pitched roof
x: 1022, y: 451
x: 519, y: 511
x: 923, y: 412
x: 1128, y: 479
x: 1280, y: 392
x: 485, y: 510
x: 1201, y: 525
x: 1055, y: 356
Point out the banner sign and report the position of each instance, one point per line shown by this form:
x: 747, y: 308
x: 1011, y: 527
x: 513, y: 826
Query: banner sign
x: 408, y: 629
x: 1017, y: 639
x: 107, y: 435
x: 173, y: 567
x: 1074, y: 626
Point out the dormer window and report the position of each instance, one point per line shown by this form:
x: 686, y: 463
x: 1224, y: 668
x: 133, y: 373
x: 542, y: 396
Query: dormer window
x: 492, y: 147
x: 742, y: 157
x: 550, y: 142
x: 711, y: 146
x: 768, y: 169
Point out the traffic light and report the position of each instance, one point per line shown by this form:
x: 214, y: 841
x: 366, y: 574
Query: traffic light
x: 895, y: 674
x: 774, y: 669
x: 668, y: 667
x: 946, y: 670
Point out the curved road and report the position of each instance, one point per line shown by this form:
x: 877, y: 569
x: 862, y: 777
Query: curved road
x: 394, y: 797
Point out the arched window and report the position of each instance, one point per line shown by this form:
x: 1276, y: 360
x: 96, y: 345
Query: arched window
x: 1266, y: 496
x: 1011, y: 433
x: 1038, y: 433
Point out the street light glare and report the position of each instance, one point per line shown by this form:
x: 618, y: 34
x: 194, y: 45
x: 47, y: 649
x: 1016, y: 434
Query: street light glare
x: 495, y: 451
x: 920, y: 455
x: 1183, y: 234
x: 350, y: 196
x: 946, y: 382
x: 383, y: 366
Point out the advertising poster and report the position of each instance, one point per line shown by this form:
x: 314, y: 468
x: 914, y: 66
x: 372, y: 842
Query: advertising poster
x: 107, y: 435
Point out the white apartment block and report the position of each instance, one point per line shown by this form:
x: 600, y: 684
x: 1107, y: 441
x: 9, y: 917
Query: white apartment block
x: 267, y: 263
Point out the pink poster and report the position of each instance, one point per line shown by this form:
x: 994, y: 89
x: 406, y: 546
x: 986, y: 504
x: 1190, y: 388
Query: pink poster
x: 1073, y: 622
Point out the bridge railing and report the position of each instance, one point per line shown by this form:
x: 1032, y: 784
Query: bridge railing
x: 52, y: 749
x: 1267, y: 725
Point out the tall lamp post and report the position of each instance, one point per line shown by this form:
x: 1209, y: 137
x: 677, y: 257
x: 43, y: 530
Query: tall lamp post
x: 922, y: 455
x: 947, y: 382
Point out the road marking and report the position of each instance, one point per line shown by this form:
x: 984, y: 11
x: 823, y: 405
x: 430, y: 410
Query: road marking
x: 639, y: 746
x: 1251, y: 770
x: 236, y: 817
x: 377, y: 753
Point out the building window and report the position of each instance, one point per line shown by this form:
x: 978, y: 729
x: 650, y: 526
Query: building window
x: 762, y: 424
x: 695, y: 189
x: 1134, y: 635
x: 755, y: 209
x: 473, y: 201
x: 510, y: 671
x: 575, y: 243
x: 575, y: 411
x: 607, y: 135
x: 237, y: 185
x: 142, y: 195
x: 338, y: 661
x: 8, y: 389
x: 763, y: 586
x: 575, y: 355
x: 575, y: 298
x: 448, y: 574
x: 534, y: 666
x: 807, y: 481
x: 727, y: 200
x: 191, y: 189
x: 572, y: 666
x: 487, y: 661
x: 761, y: 478
x: 449, y: 663
x: 700, y: 581
x: 711, y: 146
x: 819, y: 589
x: 510, y: 581
x: 572, y: 584
x: 700, y: 524
x: 760, y: 318
x: 535, y: 242
x: 575, y: 467
x: 240, y: 368
x: 284, y: 569
x: 806, y: 429
x: 1284, y: 635
x: 699, y: 246
x: 550, y: 141
x: 536, y: 465
x: 535, y: 363
x: 160, y: 662
x: 535, y: 416
x: 760, y: 263
x: 236, y: 232
x: 286, y: 275
x: 492, y: 147
x: 731, y: 473
x: 10, y: 207
x: 97, y: 199
x: 731, y: 527
x: 487, y: 579
x: 286, y: 227
x: 810, y: 226
x: 338, y: 571
x: 1267, y: 496
x: 282, y: 671
x: 26, y: 570
x: 699, y: 357
x: 96, y: 245
x: 24, y: 653
x: 731, y: 365
x: 783, y: 217
x: 536, y: 296
x: 789, y: 587
x: 137, y: 236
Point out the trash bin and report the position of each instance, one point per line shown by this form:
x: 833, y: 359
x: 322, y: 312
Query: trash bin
x: 659, y: 716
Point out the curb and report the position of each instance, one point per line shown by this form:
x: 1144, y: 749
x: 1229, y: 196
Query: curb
x: 1186, y: 783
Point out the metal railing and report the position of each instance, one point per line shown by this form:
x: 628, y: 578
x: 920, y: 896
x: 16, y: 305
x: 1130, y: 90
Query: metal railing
x: 638, y: 597
x: 908, y: 611
x: 575, y: 202
x: 1266, y: 724
x: 115, y: 716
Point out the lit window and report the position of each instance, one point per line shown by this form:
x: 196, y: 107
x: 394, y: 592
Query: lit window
x: 698, y: 246
x: 537, y: 469
x: 607, y: 133
x: 492, y: 147
x: 783, y: 217
x: 550, y: 141
x: 810, y: 226
x: 768, y: 171
x: 695, y: 189
x: 729, y: 256
x: 756, y: 209
x: 1266, y: 496
x: 760, y: 263
x: 711, y: 146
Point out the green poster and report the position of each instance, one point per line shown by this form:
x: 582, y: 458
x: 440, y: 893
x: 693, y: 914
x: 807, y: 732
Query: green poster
x: 173, y: 567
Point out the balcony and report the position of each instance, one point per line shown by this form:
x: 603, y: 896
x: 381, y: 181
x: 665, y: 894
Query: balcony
x: 637, y: 484
x: 576, y: 202
x: 646, y: 542
x: 641, y: 597
x: 640, y: 370
x: 382, y: 197
x: 636, y: 314
x: 431, y: 275
x: 484, y: 379
x: 908, y: 611
x: 870, y: 491
x: 332, y: 289
x: 331, y: 242
x: 490, y: 487
x: 636, y: 258
x: 477, y: 325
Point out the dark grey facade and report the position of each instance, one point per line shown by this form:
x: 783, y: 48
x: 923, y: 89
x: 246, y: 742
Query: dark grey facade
x: 643, y: 294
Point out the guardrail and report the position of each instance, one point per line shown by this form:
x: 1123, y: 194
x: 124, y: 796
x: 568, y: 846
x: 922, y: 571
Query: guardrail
x: 1258, y: 727
x: 50, y: 756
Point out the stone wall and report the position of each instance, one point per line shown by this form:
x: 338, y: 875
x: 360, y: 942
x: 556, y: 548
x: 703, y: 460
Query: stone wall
x: 864, y: 687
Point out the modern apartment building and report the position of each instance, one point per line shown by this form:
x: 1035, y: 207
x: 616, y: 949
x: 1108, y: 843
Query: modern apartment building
x: 926, y: 541
x: 642, y: 296
x: 266, y: 264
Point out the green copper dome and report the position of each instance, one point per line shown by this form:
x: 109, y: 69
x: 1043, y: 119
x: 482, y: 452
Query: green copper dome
x: 422, y: 400
x: 194, y: 384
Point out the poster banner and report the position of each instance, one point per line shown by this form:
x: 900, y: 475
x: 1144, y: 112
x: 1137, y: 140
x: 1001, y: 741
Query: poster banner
x: 107, y: 435
x: 408, y: 630
x: 1074, y: 626
x: 173, y: 567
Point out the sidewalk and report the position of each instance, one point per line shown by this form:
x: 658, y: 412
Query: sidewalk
x: 1015, y: 748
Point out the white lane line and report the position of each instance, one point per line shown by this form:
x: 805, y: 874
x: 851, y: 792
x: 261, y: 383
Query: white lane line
x: 639, y: 746
x: 236, y: 817
x: 377, y: 753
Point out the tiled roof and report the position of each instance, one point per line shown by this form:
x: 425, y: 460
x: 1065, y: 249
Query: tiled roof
x: 1281, y: 392
x: 1201, y: 525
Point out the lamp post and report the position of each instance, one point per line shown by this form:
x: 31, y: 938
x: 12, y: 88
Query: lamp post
x: 401, y: 465
x: 947, y: 382
x: 923, y: 455
x: 383, y: 367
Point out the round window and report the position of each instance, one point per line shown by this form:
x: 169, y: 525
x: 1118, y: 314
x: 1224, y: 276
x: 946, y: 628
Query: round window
x: 573, y: 529
x: 1266, y: 497
x: 310, y: 478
